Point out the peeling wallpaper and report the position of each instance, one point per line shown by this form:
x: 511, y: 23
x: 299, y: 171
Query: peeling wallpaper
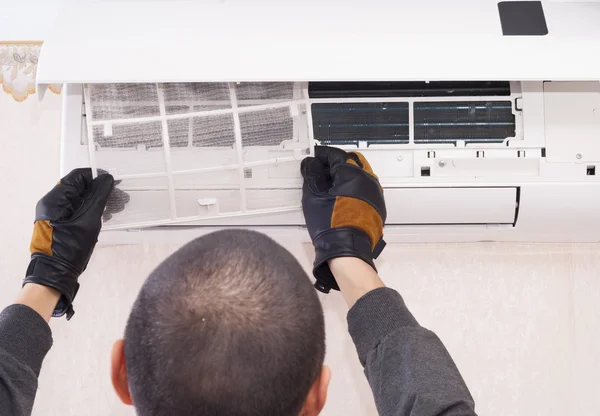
x: 520, y: 320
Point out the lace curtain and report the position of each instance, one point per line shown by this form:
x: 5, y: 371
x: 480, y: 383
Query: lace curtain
x: 18, y: 66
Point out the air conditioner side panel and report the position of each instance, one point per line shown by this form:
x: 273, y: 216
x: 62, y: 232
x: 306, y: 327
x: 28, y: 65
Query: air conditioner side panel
x: 572, y: 121
x: 72, y: 153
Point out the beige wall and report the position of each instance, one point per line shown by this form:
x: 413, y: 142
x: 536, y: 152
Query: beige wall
x: 521, y: 321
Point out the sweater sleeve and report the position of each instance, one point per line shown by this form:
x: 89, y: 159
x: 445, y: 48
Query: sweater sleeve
x: 408, y: 368
x: 25, y: 339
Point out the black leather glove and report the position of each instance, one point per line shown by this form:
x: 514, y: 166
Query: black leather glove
x: 344, y: 210
x: 67, y: 224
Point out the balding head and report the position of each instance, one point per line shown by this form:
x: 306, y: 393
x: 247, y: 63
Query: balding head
x: 228, y: 325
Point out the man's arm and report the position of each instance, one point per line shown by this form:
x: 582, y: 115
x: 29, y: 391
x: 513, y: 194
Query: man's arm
x: 67, y: 223
x: 25, y: 339
x: 409, y: 370
x: 41, y: 299
x: 408, y: 367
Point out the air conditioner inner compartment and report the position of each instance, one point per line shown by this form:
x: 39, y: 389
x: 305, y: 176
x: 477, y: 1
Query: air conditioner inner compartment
x: 199, y: 153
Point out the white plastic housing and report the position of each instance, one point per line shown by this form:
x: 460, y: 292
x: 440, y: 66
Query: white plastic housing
x: 266, y: 40
x: 538, y: 185
x: 510, y: 191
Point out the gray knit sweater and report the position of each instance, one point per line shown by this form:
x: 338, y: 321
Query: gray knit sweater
x: 408, y: 368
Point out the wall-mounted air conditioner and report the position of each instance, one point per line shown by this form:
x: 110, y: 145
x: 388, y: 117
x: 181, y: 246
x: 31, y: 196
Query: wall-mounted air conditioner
x: 481, y: 120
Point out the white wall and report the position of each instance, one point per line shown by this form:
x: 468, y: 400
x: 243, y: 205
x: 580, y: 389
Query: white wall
x: 519, y: 320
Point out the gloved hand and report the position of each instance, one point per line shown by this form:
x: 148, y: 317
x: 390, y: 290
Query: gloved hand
x: 67, y: 224
x: 344, y: 210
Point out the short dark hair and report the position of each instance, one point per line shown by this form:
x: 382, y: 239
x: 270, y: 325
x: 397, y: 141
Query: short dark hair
x: 227, y: 325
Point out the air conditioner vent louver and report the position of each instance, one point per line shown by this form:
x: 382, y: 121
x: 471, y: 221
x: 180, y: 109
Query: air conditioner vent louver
x: 408, y: 89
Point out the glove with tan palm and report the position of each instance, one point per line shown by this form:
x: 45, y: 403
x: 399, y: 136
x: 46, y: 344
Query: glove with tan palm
x: 67, y: 223
x: 344, y: 210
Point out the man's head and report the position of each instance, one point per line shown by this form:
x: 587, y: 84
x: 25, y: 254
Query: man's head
x: 228, y: 325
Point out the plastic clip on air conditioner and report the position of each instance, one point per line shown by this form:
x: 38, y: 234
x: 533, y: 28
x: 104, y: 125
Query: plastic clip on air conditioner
x: 294, y: 110
x: 108, y: 130
x: 208, y: 206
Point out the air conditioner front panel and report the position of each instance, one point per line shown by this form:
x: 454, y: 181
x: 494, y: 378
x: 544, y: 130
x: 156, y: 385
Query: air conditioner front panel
x: 382, y: 40
x: 451, y: 206
x: 407, y: 206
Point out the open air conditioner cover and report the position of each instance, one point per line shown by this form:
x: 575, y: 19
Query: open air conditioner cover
x: 379, y: 40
